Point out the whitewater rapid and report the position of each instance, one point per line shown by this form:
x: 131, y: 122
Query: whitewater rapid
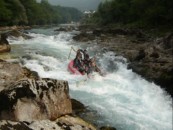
x: 121, y: 99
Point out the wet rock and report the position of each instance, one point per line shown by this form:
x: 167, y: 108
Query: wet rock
x: 8, y: 28
x: 74, y: 123
x: 107, y: 128
x: 31, y: 99
x: 160, y: 73
x: 84, y: 37
x: 4, y: 45
x: 16, y: 33
x: 28, y: 57
x: 61, y: 29
x: 65, y: 28
x: 77, y: 106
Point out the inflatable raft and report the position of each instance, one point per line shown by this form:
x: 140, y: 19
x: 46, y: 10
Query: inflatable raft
x: 72, y: 69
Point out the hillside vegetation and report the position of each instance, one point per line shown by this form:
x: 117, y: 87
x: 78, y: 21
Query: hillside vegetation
x: 30, y: 12
x: 135, y: 13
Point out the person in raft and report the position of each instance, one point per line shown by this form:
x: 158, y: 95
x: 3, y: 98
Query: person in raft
x: 93, y: 67
x: 85, y: 65
x: 78, y: 63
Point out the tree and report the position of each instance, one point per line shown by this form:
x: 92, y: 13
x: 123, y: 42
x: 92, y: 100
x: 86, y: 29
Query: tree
x: 5, y: 13
x: 18, y: 12
x: 22, y: 12
x: 137, y: 12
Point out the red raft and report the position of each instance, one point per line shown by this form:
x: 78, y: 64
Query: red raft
x: 72, y: 69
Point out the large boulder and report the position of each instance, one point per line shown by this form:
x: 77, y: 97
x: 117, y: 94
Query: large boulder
x: 4, y: 45
x: 12, y: 72
x: 31, y: 99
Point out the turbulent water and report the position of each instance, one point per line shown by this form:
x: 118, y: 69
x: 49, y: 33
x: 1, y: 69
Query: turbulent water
x: 121, y: 99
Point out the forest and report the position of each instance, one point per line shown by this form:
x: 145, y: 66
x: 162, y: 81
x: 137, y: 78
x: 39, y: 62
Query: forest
x: 139, y: 13
x: 30, y: 12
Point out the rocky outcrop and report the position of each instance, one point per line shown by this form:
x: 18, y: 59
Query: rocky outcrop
x: 16, y: 33
x: 63, y: 123
x: 149, y: 57
x: 12, y: 72
x: 9, y: 28
x: 84, y: 37
x: 75, y: 123
x: 31, y: 99
x: 4, y: 45
x: 154, y: 62
x: 90, y: 33
x: 30, y: 103
x: 63, y: 29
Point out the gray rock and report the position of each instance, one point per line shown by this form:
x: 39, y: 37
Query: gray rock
x: 12, y: 72
x: 62, y: 123
x: 31, y: 99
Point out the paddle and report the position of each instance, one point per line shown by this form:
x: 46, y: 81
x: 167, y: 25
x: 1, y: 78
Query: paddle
x: 70, y: 52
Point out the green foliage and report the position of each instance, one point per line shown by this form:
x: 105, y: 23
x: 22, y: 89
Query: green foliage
x: 30, y: 12
x: 5, y: 13
x: 135, y: 12
x: 12, y: 12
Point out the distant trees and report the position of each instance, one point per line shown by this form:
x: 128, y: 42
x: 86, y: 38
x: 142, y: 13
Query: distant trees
x: 29, y: 12
x: 137, y: 12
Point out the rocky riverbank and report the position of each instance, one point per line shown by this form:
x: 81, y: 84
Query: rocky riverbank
x: 6, y: 32
x: 29, y: 102
x: 150, y: 57
x: 32, y: 103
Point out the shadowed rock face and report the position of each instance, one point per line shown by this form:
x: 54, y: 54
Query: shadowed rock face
x: 4, y: 45
x: 30, y: 99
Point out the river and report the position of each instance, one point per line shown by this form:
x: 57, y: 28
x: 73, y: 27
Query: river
x: 121, y: 99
